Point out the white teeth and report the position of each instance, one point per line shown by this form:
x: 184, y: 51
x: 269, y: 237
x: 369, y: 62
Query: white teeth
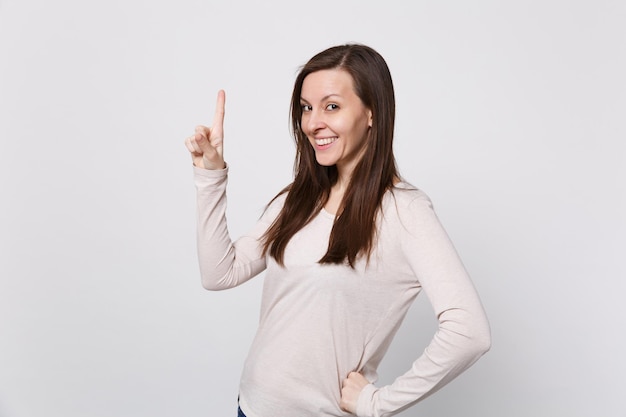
x: 325, y: 141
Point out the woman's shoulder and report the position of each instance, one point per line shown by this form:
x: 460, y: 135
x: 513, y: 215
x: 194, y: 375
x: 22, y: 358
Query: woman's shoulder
x: 408, y: 206
x: 406, y: 194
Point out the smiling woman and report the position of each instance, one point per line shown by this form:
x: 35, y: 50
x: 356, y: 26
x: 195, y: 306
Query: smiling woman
x: 335, y: 120
x: 347, y: 246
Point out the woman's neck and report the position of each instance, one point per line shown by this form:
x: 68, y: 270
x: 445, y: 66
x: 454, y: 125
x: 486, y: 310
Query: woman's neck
x: 337, y: 191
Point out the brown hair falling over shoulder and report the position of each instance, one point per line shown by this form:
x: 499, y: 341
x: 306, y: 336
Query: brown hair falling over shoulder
x: 354, y: 231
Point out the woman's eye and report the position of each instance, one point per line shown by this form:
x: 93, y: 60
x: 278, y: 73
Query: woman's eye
x: 306, y: 107
x: 332, y: 106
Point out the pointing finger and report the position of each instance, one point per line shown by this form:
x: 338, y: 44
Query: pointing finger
x: 217, y: 129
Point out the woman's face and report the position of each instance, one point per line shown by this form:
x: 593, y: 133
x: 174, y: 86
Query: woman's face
x: 334, y: 119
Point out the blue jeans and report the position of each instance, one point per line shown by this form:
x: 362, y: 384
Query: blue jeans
x: 240, y: 413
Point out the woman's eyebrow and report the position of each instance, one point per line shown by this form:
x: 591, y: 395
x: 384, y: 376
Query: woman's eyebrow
x: 326, y: 97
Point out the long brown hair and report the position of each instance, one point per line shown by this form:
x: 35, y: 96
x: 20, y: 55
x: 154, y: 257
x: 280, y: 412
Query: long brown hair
x: 354, y: 229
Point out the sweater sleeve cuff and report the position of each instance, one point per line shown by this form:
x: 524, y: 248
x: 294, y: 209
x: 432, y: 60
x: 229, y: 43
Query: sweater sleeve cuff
x: 365, y: 403
x: 210, y: 173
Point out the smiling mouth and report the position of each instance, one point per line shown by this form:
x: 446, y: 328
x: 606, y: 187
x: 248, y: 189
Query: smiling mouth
x: 325, y: 141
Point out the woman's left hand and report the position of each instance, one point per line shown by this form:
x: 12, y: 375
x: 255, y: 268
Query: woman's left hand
x: 350, y: 390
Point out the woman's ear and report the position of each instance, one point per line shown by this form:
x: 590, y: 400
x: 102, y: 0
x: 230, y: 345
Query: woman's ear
x: 369, y: 118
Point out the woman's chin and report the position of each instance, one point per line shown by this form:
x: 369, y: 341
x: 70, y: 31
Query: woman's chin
x: 325, y: 162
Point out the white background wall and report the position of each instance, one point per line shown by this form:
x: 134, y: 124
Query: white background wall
x: 510, y: 116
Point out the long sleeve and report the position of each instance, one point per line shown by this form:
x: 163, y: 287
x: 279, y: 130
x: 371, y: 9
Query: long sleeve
x: 463, y: 335
x: 223, y: 263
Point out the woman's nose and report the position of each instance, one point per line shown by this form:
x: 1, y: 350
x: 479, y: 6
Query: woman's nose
x: 315, y: 121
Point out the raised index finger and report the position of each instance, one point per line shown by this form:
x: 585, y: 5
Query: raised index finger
x: 218, y: 119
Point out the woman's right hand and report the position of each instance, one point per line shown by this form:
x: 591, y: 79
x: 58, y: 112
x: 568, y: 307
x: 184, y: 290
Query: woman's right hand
x: 207, y: 144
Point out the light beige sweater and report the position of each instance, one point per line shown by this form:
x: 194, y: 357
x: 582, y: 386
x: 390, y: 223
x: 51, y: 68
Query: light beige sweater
x: 320, y: 322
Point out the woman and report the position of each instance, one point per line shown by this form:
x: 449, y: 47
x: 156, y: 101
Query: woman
x: 347, y: 246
